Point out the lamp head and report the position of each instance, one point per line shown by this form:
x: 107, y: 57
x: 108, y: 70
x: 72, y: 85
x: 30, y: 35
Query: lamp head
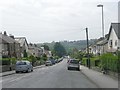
x: 99, y: 5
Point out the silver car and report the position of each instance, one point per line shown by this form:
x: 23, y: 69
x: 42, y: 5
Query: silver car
x: 73, y: 64
x: 23, y: 66
x: 48, y: 63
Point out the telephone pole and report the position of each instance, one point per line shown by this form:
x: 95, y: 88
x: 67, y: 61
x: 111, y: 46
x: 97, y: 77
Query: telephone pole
x: 88, y: 56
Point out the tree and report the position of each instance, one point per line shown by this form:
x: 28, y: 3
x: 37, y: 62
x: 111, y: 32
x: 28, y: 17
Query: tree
x: 25, y: 54
x: 32, y: 59
x: 46, y: 47
x: 44, y: 57
x: 75, y: 53
x: 59, y: 50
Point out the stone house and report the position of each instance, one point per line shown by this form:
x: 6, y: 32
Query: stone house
x: 9, y: 47
x: 34, y: 50
x: 23, y: 45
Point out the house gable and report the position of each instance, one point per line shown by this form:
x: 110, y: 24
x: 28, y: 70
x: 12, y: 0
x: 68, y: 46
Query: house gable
x: 116, y: 27
x: 114, y: 38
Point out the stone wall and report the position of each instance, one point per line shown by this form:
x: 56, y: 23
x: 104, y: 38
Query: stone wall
x: 4, y: 68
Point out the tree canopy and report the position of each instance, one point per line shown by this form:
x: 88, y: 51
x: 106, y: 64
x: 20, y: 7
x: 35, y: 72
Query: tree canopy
x: 46, y: 47
x: 59, y: 50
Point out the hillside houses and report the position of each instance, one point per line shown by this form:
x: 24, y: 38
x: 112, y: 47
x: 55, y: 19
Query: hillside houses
x: 23, y: 45
x: 18, y: 47
x: 34, y: 50
x: 47, y: 52
x: 110, y: 43
x: 10, y: 47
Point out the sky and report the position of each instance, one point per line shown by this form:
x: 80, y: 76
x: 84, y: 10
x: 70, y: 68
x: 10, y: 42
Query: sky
x: 56, y: 20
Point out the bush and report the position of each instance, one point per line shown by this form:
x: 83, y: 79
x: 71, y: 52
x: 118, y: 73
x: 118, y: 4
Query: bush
x: 94, y: 61
x: 5, y: 61
x: 13, y: 60
x: 118, y: 61
x: 84, y: 61
x: 32, y: 59
x: 8, y: 61
x: 109, y: 62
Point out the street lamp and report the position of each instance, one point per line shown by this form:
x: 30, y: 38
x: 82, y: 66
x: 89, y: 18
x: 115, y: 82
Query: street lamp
x: 102, y: 23
x: 102, y: 19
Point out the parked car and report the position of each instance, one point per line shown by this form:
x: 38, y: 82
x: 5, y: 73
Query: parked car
x: 23, y: 66
x: 73, y: 64
x: 56, y: 61
x: 68, y: 60
x: 48, y: 63
x: 60, y: 59
x: 53, y: 61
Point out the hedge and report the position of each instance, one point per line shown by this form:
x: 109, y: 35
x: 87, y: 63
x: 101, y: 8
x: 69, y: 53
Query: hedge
x: 8, y: 61
x: 109, y: 61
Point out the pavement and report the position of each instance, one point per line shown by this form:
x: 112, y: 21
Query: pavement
x: 102, y: 80
x: 13, y: 71
x: 57, y: 76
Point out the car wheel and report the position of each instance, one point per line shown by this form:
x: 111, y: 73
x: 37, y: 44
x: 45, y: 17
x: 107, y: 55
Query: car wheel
x: 28, y: 71
x: 78, y: 69
x: 17, y: 71
x: 68, y: 68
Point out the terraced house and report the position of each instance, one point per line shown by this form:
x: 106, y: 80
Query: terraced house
x: 23, y: 46
x: 34, y: 50
x: 10, y: 47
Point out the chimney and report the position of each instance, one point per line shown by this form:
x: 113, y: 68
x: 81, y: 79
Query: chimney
x: 5, y: 33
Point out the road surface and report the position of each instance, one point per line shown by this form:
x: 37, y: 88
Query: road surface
x: 56, y: 76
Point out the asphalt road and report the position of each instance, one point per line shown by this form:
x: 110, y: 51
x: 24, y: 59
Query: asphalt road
x: 56, y: 76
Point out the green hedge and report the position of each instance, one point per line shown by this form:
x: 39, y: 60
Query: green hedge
x: 8, y: 61
x: 94, y: 61
x: 109, y: 61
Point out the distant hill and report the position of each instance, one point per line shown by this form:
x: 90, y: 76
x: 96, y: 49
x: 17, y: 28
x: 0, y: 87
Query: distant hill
x: 69, y: 45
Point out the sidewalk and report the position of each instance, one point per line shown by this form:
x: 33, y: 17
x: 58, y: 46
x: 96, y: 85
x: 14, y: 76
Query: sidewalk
x: 100, y: 79
x: 13, y: 72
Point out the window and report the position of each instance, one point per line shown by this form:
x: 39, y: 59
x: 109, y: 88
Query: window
x: 21, y: 63
x: 110, y: 43
x: 116, y: 43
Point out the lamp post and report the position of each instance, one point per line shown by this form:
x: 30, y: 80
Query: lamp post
x: 102, y: 22
x: 88, y: 55
x: 102, y: 19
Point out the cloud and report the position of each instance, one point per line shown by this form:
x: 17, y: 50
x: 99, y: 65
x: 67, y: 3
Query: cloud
x: 48, y: 20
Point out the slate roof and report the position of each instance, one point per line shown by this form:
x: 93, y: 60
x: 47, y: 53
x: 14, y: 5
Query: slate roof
x: 116, y: 27
x: 7, y: 38
x: 21, y: 40
x: 33, y: 47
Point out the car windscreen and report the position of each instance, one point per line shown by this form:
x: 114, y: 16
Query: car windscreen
x: 74, y: 61
x: 21, y: 63
x: 48, y: 61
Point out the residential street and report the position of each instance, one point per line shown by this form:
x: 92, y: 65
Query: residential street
x: 56, y: 76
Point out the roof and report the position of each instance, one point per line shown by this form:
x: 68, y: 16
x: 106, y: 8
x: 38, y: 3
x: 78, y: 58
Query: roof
x: 116, y: 27
x: 32, y: 46
x: 102, y: 42
x: 7, y: 38
x: 21, y: 40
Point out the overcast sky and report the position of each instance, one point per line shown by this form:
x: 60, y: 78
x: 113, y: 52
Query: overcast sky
x: 56, y: 20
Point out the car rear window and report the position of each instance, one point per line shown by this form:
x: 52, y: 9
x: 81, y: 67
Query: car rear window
x: 74, y: 61
x: 21, y: 63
